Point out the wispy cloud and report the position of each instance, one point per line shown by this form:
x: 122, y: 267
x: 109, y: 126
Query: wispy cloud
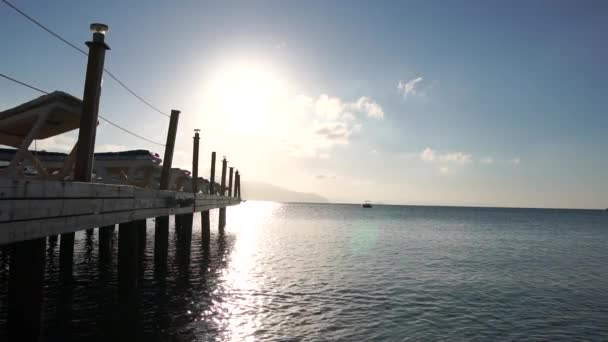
x: 324, y: 176
x: 487, y: 160
x: 409, y: 88
x: 370, y: 108
x: 333, y: 122
x: 515, y: 161
x: 430, y: 155
x: 59, y: 143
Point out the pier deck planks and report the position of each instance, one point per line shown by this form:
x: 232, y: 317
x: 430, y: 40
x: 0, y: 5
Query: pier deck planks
x: 34, y: 208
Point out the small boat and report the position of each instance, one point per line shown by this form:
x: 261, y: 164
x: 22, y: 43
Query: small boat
x: 366, y: 204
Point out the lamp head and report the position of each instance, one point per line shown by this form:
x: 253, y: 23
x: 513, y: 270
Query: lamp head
x: 99, y: 28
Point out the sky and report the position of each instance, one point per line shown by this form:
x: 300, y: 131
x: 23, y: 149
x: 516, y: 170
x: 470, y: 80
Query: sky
x: 489, y: 103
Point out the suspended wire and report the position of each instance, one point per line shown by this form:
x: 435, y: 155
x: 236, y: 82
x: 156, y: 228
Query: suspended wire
x: 126, y: 130
x: 37, y: 23
x: 101, y: 117
x: 23, y: 84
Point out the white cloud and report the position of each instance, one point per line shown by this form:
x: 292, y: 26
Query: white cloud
x: 58, y: 143
x: 372, y: 109
x: 487, y: 160
x: 456, y: 157
x: 409, y: 88
x: 430, y: 155
x: 515, y: 161
x: 329, y: 108
x: 326, y: 122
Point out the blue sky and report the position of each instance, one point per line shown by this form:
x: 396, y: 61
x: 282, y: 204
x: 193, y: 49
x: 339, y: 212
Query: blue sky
x: 501, y: 102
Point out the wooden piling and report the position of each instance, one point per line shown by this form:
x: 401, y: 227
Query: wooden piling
x: 66, y: 257
x: 161, y: 227
x: 127, y: 318
x: 90, y: 107
x: 105, y: 239
x: 205, y: 219
x: 128, y: 259
x: 86, y: 132
x: 237, y: 185
x: 195, y: 149
x: 222, y: 216
x: 230, y: 181
x: 212, y: 189
x: 26, y: 282
x: 169, y: 146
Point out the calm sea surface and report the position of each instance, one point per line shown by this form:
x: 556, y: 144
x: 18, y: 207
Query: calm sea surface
x: 307, y: 272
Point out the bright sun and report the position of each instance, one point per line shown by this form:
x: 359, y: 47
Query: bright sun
x: 247, y: 96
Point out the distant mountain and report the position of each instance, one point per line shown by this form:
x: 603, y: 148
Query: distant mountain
x: 269, y: 192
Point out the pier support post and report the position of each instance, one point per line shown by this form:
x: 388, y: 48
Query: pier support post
x: 88, y: 128
x: 222, y: 216
x: 105, y: 245
x: 205, y: 219
x: 230, y: 174
x: 161, y: 240
x: 195, y: 148
x: 237, y: 185
x: 128, y: 255
x: 128, y: 264
x: 212, y: 189
x: 26, y: 282
x: 90, y: 104
x: 161, y: 229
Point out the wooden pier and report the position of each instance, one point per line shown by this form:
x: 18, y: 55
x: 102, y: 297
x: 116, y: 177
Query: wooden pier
x: 33, y: 208
x: 60, y: 203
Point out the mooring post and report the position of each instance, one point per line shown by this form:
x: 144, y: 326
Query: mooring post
x: 231, y: 171
x: 212, y: 189
x: 105, y: 238
x: 26, y: 282
x: 237, y: 184
x: 128, y: 274
x: 222, y: 216
x: 161, y: 229
x: 87, y: 131
x: 90, y: 104
x: 128, y: 258
x: 195, y: 161
x: 205, y: 219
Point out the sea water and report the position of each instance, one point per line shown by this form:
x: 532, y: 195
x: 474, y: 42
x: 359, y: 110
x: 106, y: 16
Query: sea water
x: 316, y: 272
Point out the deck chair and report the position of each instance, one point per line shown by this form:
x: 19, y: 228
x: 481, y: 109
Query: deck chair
x: 41, y: 118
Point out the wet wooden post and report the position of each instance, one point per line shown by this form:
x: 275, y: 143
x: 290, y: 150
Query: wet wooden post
x: 205, y: 219
x: 187, y: 226
x: 212, y: 189
x: 183, y: 222
x: 128, y: 261
x: 128, y: 255
x: 87, y: 131
x: 27, y: 266
x: 26, y: 281
x: 105, y: 238
x: 195, y: 149
x: 230, y: 174
x: 161, y: 229
x: 222, y: 216
x: 237, y: 185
